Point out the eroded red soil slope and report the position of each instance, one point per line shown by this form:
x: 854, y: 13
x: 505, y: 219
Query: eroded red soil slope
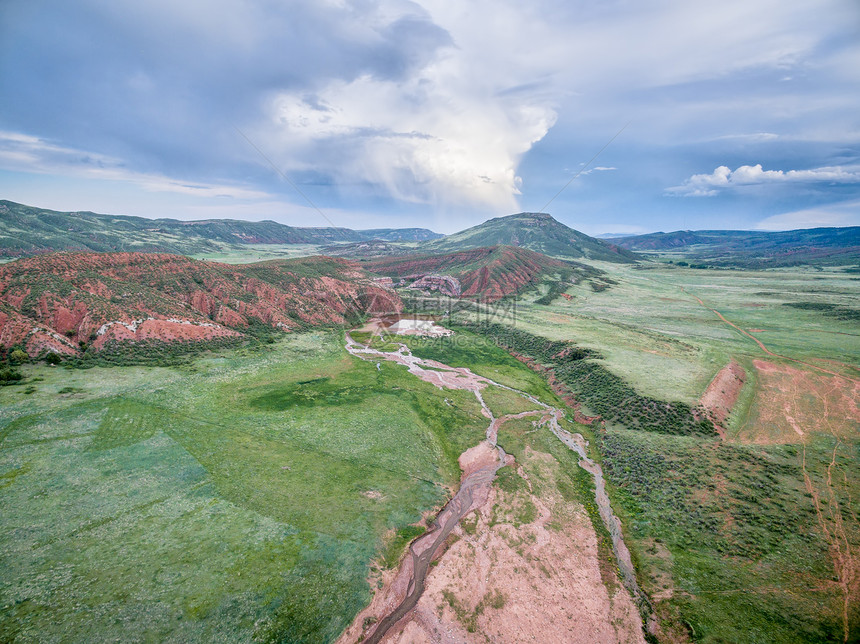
x: 489, y: 273
x: 54, y: 302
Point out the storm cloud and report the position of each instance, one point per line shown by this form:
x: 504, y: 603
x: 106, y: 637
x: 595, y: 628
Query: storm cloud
x: 435, y: 112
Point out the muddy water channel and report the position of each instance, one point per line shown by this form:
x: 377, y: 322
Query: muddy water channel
x: 480, y: 465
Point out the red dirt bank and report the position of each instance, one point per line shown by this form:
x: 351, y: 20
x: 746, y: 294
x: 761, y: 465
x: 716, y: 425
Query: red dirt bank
x: 491, y: 273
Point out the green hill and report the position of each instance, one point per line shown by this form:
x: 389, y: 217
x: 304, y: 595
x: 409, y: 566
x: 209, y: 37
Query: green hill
x: 26, y: 230
x: 755, y: 249
x: 536, y: 231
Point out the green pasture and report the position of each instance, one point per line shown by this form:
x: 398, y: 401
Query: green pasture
x: 248, y: 253
x: 722, y: 529
x: 716, y: 528
x: 650, y: 328
x: 244, y: 495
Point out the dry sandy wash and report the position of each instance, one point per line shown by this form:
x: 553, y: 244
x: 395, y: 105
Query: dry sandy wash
x: 521, y: 566
x: 502, y: 581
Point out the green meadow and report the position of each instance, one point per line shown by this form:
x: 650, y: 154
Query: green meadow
x: 735, y: 539
x: 652, y: 331
x: 244, y: 496
x: 253, y: 494
x: 248, y: 494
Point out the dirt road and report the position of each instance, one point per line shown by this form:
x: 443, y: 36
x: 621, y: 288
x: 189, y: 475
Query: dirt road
x: 761, y: 344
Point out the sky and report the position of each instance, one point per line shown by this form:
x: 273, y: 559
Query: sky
x: 655, y: 115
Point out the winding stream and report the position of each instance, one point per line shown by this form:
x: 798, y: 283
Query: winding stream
x: 476, y: 483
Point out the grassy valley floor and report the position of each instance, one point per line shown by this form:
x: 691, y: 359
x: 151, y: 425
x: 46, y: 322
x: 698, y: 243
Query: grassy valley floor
x: 751, y: 536
x: 264, y: 495
x: 243, y: 497
x: 246, y: 495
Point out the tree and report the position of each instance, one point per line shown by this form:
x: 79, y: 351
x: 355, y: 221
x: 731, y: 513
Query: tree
x: 18, y: 357
x: 53, y: 358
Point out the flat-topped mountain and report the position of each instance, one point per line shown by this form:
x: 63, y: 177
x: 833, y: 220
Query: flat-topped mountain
x: 535, y: 231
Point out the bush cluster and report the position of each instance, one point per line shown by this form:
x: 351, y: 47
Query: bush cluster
x: 600, y: 390
x: 9, y: 376
x: 729, y: 499
x: 555, y: 291
x: 830, y: 310
x: 150, y: 353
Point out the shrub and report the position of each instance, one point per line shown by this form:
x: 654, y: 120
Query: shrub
x: 9, y: 376
x: 555, y: 291
x: 18, y: 357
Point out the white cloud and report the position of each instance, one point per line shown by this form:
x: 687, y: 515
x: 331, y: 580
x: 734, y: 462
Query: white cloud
x: 453, y: 133
x: 709, y: 185
x: 756, y: 137
x: 621, y: 229
x: 441, y: 138
x: 599, y: 168
x: 840, y: 214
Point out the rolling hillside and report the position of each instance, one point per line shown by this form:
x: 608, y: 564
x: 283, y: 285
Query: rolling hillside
x: 488, y: 273
x: 535, y: 231
x: 25, y: 230
x: 373, y: 248
x: 63, y: 302
x: 755, y: 249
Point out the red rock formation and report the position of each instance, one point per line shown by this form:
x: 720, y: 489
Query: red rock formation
x: 486, y: 273
x: 52, y: 302
x: 445, y: 284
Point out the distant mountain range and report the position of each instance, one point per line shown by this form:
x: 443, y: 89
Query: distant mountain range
x: 25, y: 230
x: 754, y: 249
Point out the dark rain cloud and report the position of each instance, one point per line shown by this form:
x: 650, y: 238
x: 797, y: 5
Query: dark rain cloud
x: 163, y: 83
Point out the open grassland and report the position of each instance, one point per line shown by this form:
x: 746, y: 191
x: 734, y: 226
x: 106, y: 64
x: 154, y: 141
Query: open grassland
x: 249, y: 494
x: 503, y: 401
x: 247, y: 253
x: 651, y: 328
x: 243, y: 496
x: 485, y: 358
x: 724, y: 529
x: 749, y: 537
